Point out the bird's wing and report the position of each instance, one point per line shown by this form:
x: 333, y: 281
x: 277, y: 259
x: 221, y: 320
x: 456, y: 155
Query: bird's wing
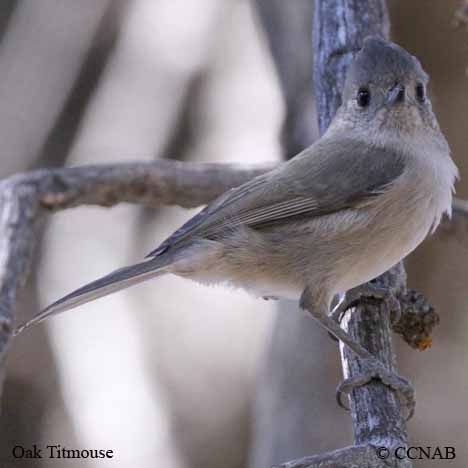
x: 331, y: 175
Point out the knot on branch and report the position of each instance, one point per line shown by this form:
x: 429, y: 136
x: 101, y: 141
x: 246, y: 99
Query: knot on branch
x: 417, y: 321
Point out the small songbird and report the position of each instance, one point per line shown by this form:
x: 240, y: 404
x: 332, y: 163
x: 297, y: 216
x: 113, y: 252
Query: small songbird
x: 336, y: 216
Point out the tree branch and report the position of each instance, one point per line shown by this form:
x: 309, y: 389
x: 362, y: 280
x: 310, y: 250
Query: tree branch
x: 353, y: 456
x: 150, y: 184
x: 457, y: 227
x: 26, y: 197
x: 289, y: 31
x: 339, y: 30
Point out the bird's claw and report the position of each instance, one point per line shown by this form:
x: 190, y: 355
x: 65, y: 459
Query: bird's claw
x: 372, y: 369
x: 366, y: 292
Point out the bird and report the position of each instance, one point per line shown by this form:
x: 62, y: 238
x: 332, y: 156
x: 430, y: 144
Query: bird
x: 337, y: 215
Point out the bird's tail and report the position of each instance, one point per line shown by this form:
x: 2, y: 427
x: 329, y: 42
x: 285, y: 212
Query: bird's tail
x: 113, y: 282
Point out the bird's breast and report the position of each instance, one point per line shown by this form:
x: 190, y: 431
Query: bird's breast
x: 398, y: 222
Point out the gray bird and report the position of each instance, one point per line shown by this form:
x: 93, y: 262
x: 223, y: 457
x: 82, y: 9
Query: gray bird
x: 336, y: 216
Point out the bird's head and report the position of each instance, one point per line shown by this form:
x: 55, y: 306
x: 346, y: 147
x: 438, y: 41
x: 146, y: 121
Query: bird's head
x: 386, y: 89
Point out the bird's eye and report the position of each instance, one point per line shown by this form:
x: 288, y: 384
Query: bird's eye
x: 363, y: 97
x: 420, y: 92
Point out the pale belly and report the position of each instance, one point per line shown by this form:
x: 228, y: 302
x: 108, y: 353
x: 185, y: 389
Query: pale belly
x: 345, y: 267
x: 377, y: 258
x: 363, y: 263
x: 258, y: 287
x: 368, y: 263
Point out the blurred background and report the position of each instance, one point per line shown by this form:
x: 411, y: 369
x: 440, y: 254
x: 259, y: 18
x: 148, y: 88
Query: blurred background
x: 170, y: 373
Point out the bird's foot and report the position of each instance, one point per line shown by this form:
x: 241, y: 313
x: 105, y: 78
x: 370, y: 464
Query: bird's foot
x: 367, y: 292
x: 373, y: 369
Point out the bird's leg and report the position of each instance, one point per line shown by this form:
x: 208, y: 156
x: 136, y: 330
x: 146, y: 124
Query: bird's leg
x: 316, y: 309
x: 372, y: 367
x: 366, y: 292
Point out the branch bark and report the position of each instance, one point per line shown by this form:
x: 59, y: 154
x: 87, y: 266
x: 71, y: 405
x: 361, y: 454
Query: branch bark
x: 353, y: 456
x: 375, y: 411
x: 339, y: 30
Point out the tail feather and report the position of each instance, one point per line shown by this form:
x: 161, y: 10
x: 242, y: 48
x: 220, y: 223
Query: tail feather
x: 113, y: 282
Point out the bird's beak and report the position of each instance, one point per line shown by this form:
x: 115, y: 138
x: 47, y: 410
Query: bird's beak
x: 396, y: 94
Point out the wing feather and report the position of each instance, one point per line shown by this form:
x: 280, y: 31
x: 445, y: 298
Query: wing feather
x: 331, y: 175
